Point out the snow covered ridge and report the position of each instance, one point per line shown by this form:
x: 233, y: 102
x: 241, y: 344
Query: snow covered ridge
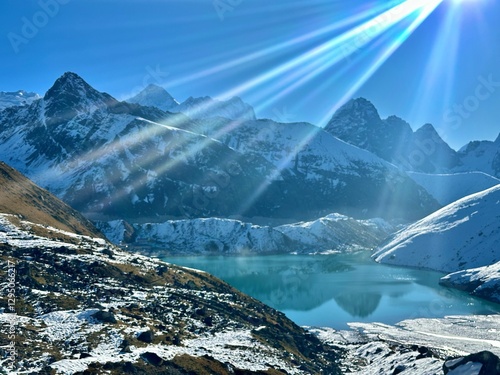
x: 453, y: 345
x: 482, y: 282
x: 224, y: 236
x: 464, y: 234
x: 337, y: 232
x: 85, y: 305
x: 195, y: 108
x: 17, y: 98
x: 462, y: 238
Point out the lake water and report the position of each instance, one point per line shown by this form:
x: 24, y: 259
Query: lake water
x: 332, y: 290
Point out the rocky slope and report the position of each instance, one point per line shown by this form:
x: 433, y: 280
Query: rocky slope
x: 482, y: 281
x: 26, y: 201
x: 74, y: 304
x: 464, y: 345
x: 124, y: 161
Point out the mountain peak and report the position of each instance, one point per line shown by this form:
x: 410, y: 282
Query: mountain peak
x: 359, y: 111
x: 428, y: 130
x: 354, y: 122
x: 70, y: 94
x: 70, y: 84
x: 498, y: 139
x: 362, y: 106
x: 154, y: 96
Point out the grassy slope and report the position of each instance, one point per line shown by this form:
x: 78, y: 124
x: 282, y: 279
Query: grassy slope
x: 20, y: 196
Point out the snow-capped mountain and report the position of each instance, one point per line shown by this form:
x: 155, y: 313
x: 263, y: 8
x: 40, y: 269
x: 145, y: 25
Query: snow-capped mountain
x: 358, y: 123
x: 462, y: 238
x: 200, y: 236
x: 481, y: 156
x: 448, y: 188
x: 206, y: 107
x: 322, y: 173
x: 155, y: 96
x: 103, y: 156
x: 195, y: 108
x: 17, y: 98
x: 337, y: 232
x: 462, y: 235
x: 334, y: 232
x: 106, y: 157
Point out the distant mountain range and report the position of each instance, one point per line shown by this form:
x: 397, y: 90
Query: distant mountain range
x: 195, y: 108
x: 359, y: 123
x: 117, y: 160
x: 17, y: 98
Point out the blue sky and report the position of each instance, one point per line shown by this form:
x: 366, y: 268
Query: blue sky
x: 447, y: 72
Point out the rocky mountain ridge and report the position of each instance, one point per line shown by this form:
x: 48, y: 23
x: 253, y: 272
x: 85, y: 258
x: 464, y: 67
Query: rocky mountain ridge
x: 125, y: 161
x: 359, y: 123
x: 216, y: 236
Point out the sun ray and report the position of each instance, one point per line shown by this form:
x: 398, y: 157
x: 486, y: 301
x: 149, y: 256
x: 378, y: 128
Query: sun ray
x: 287, y: 77
x: 279, y: 47
x: 382, y: 57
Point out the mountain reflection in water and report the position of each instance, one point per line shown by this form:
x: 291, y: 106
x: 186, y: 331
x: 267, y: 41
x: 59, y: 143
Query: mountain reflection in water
x: 332, y: 290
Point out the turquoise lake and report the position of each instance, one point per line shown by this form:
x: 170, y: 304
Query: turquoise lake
x: 332, y: 290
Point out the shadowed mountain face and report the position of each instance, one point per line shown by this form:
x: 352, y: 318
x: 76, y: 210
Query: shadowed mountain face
x: 359, y: 123
x: 20, y: 197
x: 483, y: 156
x: 120, y: 160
